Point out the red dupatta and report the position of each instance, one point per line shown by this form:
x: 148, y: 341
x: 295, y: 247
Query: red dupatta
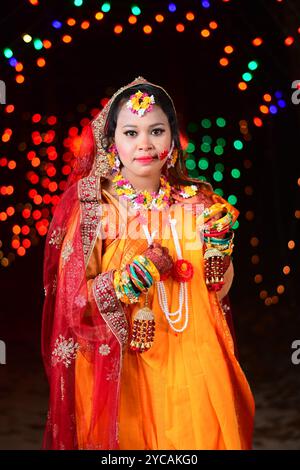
x: 73, y: 321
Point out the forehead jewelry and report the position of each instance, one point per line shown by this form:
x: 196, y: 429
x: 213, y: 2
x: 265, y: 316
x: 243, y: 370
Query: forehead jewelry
x: 140, y: 103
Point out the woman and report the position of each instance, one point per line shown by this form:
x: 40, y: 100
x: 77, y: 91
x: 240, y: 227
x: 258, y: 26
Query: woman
x: 136, y: 344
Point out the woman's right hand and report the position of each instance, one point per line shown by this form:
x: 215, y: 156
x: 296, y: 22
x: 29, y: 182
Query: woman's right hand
x: 160, y: 256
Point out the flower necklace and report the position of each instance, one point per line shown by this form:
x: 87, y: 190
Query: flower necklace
x: 143, y: 199
x: 186, y: 191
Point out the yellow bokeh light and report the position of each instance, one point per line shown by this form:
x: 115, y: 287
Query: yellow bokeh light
x: 228, y: 49
x: 159, y: 18
x: 205, y: 33
x: 147, y: 29
x: 242, y: 86
x: 190, y: 16
x: 67, y: 38
x: 99, y: 15
x: 291, y: 244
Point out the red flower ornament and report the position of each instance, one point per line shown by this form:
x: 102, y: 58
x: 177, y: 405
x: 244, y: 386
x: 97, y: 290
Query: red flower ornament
x: 182, y: 271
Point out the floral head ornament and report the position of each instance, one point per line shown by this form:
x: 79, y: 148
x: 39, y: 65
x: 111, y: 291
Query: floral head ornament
x: 140, y: 103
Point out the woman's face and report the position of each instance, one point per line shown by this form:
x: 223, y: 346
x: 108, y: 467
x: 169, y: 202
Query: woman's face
x: 142, y: 142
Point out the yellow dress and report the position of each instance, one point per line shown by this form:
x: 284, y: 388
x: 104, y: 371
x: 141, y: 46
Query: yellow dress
x: 188, y: 391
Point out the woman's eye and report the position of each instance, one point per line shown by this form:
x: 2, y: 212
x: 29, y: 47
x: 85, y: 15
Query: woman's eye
x: 158, y: 131
x: 130, y: 133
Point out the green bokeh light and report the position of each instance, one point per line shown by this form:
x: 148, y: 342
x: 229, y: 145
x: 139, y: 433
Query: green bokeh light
x: 8, y: 53
x: 247, y: 76
x: 235, y: 225
x: 218, y: 150
x: 238, y: 144
x: 221, y: 122
x: 219, y: 167
x: 203, y: 163
x: 206, y: 123
x: 221, y: 142
x: 38, y: 45
x: 205, y: 147
x: 252, y: 65
x: 219, y: 191
x: 78, y: 3
x: 232, y: 199
x: 135, y: 10
x: 105, y: 7
x: 190, y: 164
x: 217, y: 176
x: 235, y: 173
x: 190, y: 147
x: 207, y: 139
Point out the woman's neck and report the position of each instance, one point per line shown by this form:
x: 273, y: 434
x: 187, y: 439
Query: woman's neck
x: 143, y: 183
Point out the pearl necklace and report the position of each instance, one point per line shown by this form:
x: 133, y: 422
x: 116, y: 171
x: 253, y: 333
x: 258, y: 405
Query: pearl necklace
x: 162, y: 295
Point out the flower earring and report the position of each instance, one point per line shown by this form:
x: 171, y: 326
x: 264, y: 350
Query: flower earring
x: 172, y: 156
x: 113, y: 159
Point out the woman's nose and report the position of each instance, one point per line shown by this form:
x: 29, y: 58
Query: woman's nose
x: 145, y: 142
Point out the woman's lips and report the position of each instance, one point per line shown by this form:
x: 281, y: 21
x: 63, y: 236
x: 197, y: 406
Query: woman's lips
x: 146, y: 159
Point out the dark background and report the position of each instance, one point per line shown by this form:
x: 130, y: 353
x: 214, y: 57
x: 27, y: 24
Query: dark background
x: 93, y: 66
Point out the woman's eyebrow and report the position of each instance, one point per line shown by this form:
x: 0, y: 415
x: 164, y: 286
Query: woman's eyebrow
x: 152, y: 125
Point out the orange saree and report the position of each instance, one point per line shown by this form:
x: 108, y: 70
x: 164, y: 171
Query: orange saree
x: 188, y: 391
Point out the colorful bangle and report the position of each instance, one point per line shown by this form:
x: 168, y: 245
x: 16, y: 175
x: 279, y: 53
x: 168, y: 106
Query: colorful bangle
x: 213, y: 210
x: 123, y: 292
x: 216, y: 233
x: 134, y: 279
x: 150, y: 266
x: 127, y: 287
x: 221, y: 240
x: 143, y: 272
x: 140, y: 275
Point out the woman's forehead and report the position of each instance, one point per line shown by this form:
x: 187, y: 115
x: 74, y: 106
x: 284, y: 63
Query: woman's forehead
x: 127, y: 117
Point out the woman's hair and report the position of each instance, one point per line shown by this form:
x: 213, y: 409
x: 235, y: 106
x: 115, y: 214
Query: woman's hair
x: 161, y: 99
